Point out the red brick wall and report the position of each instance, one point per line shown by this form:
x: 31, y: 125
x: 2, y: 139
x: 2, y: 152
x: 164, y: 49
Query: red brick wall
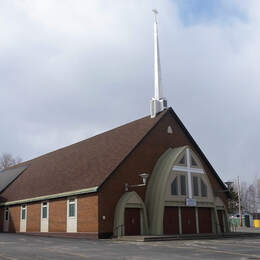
x: 142, y: 159
x: 14, y: 218
x: 57, y: 215
x: 33, y: 217
x: 88, y: 213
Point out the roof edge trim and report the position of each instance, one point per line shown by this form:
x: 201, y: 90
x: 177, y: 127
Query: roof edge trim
x: 52, y: 196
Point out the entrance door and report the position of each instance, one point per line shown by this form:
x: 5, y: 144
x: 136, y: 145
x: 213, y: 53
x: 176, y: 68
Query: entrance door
x: 132, y: 222
x: 72, y: 215
x: 6, y: 220
x: 220, y: 220
x: 23, y: 218
x: 205, y: 220
x: 171, y: 221
x: 188, y: 220
x: 45, y: 217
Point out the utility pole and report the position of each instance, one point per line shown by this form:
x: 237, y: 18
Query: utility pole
x: 239, y: 201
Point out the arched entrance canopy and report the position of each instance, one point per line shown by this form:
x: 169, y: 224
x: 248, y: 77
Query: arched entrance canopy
x: 129, y: 200
x: 155, y: 193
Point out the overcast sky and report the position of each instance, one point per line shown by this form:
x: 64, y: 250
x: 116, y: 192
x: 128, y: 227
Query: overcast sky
x: 70, y: 69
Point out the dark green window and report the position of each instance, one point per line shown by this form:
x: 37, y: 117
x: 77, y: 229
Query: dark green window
x: 195, y: 185
x: 183, y: 185
x: 44, y: 210
x: 204, y: 191
x: 182, y: 160
x: 6, y: 214
x: 193, y: 162
x: 72, y: 207
x: 174, y: 187
x: 23, y: 212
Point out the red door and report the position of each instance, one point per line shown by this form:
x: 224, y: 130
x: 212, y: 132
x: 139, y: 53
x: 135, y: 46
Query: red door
x: 220, y: 220
x: 132, y: 222
x: 188, y: 220
x: 171, y: 221
x: 205, y: 221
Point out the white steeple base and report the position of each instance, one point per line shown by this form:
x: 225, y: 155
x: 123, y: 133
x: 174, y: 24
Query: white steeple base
x: 157, y: 105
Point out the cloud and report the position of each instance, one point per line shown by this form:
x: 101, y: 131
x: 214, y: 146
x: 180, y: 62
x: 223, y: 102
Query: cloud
x: 72, y: 69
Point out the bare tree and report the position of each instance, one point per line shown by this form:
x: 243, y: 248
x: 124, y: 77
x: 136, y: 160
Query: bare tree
x: 257, y: 187
x: 7, y: 160
x: 249, y: 196
x: 251, y: 199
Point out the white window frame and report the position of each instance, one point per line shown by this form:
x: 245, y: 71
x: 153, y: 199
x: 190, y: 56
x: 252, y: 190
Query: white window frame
x: 24, y: 207
x: 68, y: 207
x: 72, y: 221
x: 43, y: 206
x: 6, y: 211
x: 23, y: 221
x: 188, y: 171
x: 6, y: 221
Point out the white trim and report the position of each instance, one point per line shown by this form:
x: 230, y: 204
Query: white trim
x: 23, y: 221
x: 6, y: 221
x: 52, y: 196
x: 184, y: 169
x: 72, y: 221
x: 45, y: 221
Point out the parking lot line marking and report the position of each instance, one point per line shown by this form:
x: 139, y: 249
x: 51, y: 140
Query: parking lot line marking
x: 224, y: 252
x: 8, y: 258
x: 236, y: 244
x: 67, y: 253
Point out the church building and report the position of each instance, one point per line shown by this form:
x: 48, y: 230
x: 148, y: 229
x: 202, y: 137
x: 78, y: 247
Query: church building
x: 147, y: 177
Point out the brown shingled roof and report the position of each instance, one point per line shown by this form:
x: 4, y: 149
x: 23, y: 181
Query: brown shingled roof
x: 81, y: 165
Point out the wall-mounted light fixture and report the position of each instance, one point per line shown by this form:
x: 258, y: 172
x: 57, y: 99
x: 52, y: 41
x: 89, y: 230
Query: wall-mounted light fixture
x: 144, y: 176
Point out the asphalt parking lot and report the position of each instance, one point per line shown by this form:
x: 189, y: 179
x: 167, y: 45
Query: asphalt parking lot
x: 13, y: 246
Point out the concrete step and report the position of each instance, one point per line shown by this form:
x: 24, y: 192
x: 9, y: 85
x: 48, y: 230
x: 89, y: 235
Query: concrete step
x: 186, y: 237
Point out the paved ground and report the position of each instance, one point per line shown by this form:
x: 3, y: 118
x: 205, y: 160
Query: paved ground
x: 23, y: 247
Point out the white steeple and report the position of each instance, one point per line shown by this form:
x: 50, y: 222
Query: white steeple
x: 158, y: 103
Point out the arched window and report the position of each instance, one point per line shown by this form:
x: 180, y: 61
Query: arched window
x: 195, y: 185
x: 191, y: 179
x: 203, y: 187
x: 174, y: 186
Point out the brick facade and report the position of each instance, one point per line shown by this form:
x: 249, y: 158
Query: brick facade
x: 33, y: 217
x: 14, y: 218
x: 88, y: 213
x: 142, y: 159
x: 57, y: 215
